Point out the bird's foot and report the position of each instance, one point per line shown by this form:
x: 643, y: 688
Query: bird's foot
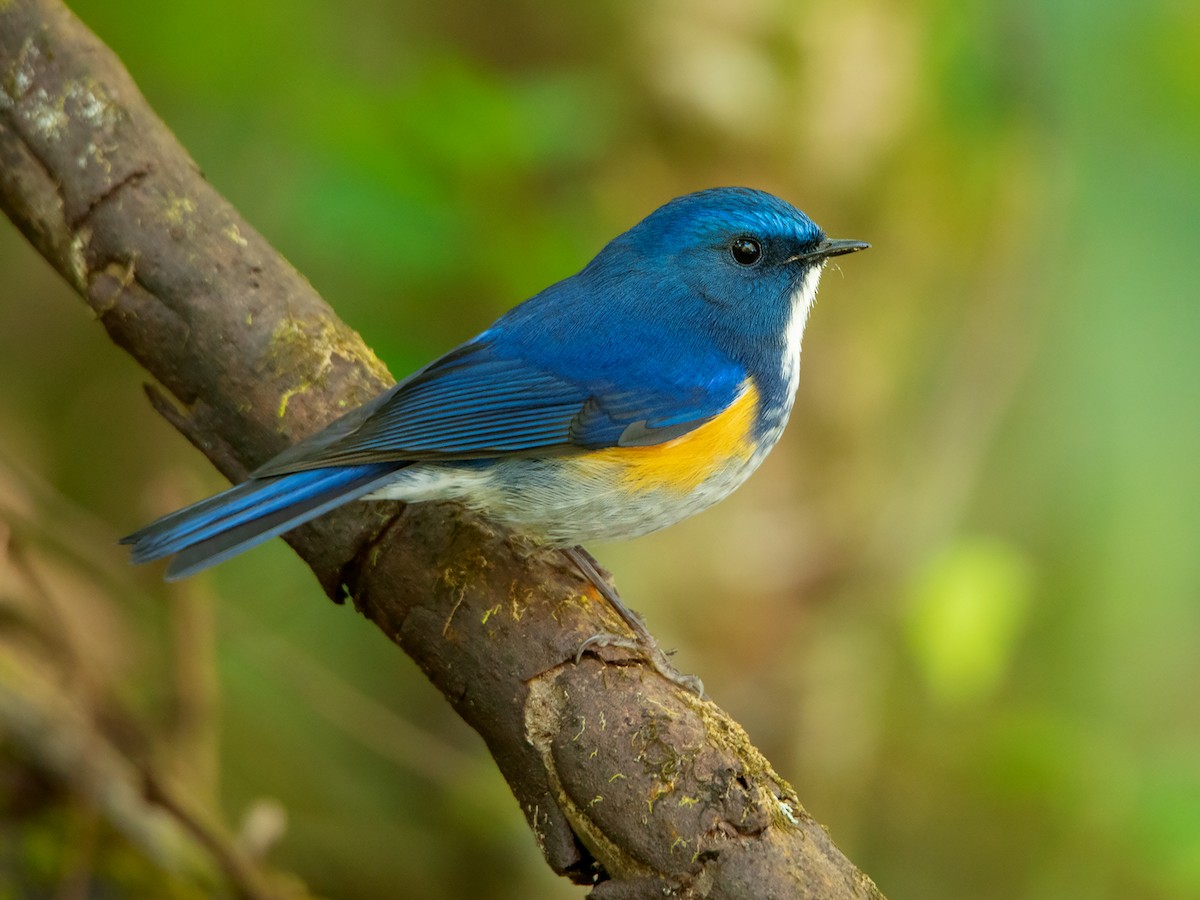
x: 642, y: 641
x: 653, y: 654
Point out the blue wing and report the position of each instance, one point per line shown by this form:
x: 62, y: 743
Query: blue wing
x: 479, y: 402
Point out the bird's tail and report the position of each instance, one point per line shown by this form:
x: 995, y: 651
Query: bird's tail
x: 247, y: 514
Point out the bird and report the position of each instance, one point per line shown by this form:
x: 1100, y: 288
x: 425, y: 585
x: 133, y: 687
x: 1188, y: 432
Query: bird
x: 620, y: 400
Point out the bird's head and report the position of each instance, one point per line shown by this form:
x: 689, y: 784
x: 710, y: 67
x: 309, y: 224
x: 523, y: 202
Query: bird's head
x: 752, y: 259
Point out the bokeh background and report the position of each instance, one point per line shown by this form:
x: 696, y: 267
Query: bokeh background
x: 959, y: 608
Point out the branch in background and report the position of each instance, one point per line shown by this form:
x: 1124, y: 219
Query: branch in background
x: 620, y: 774
x: 58, y: 724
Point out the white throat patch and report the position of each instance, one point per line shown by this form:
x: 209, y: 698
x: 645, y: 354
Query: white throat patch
x: 802, y: 302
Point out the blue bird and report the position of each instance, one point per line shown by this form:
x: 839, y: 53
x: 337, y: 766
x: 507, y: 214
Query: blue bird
x: 633, y: 394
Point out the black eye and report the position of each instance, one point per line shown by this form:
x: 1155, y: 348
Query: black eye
x: 746, y: 251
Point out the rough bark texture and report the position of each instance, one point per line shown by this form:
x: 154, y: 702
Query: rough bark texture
x: 622, y: 776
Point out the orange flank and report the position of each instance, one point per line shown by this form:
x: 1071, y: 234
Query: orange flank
x: 686, y: 462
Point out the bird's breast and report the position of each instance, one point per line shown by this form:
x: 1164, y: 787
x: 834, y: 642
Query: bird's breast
x: 684, y: 464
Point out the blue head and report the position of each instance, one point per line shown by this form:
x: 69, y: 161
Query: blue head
x: 751, y: 259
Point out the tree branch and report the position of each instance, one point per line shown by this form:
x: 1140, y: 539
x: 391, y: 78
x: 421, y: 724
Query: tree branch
x: 621, y: 775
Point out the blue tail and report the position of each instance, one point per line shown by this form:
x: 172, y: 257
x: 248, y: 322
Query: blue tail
x: 247, y: 514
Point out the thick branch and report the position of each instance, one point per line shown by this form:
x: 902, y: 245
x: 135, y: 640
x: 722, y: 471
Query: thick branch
x: 610, y: 763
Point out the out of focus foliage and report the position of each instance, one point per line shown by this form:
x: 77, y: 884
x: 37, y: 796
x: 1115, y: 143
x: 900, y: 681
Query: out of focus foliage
x: 960, y: 606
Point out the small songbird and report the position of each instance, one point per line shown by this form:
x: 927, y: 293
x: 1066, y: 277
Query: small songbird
x: 618, y: 401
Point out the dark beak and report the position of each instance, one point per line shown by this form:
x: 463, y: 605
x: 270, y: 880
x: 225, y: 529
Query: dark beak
x: 830, y: 247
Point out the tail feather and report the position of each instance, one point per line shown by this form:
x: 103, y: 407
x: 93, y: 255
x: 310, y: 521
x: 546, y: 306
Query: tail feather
x: 250, y: 513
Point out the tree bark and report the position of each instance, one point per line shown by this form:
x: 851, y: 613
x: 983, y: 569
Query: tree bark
x: 627, y: 781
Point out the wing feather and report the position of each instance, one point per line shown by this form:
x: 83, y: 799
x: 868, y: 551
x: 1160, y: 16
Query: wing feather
x: 477, y: 403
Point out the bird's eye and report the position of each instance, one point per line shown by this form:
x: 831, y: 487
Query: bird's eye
x: 746, y: 251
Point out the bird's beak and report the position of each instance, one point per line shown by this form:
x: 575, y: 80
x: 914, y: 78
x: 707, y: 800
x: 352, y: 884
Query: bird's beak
x: 830, y: 247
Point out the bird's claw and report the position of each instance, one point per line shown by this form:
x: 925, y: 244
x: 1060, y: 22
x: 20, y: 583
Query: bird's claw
x: 653, y: 654
x: 642, y: 641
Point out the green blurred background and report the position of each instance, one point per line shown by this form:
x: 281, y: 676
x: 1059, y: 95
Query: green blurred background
x: 959, y: 608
